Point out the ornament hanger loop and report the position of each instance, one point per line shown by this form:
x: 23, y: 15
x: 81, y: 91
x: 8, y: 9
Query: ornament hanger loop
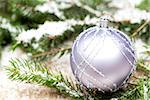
x: 104, y: 21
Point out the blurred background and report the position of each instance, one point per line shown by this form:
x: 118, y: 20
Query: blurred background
x: 45, y: 30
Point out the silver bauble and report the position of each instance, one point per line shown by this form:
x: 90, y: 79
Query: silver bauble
x: 102, y: 58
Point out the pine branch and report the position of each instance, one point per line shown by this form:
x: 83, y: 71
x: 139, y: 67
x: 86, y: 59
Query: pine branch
x: 31, y: 3
x: 47, y: 55
x: 5, y: 38
x: 23, y: 12
x: 33, y: 72
x: 143, y: 67
x: 143, y: 63
x: 144, y: 5
x: 141, y: 91
x: 140, y: 28
x: 136, y: 30
x: 30, y: 18
x: 76, y: 12
x: 47, y: 43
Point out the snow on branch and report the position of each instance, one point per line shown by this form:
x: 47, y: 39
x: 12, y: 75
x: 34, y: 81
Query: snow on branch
x: 53, y: 28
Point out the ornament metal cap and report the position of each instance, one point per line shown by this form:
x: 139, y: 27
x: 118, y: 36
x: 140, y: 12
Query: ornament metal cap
x: 104, y: 20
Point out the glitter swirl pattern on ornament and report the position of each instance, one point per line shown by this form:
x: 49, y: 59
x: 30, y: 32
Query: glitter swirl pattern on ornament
x: 102, y: 58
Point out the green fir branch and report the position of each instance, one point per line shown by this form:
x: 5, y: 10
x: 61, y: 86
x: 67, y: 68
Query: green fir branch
x: 47, y: 43
x: 33, y: 72
x: 48, y: 55
x: 30, y: 18
x: 136, y: 30
x: 144, y: 5
x: 76, y: 12
x: 31, y: 3
x: 140, y: 92
x: 5, y: 37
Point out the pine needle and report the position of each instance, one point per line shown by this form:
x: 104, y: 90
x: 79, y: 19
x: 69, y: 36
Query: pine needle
x: 33, y: 72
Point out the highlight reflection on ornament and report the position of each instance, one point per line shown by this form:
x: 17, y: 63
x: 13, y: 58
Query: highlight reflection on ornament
x: 102, y: 58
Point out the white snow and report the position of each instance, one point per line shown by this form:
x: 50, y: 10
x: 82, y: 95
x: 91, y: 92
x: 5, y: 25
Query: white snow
x: 53, y: 7
x: 8, y: 54
x: 53, y: 29
x: 124, y: 3
x: 132, y: 15
x: 127, y: 11
x: 139, y: 47
x: 5, y: 23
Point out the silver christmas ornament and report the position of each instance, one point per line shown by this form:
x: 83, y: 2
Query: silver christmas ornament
x: 102, y: 58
